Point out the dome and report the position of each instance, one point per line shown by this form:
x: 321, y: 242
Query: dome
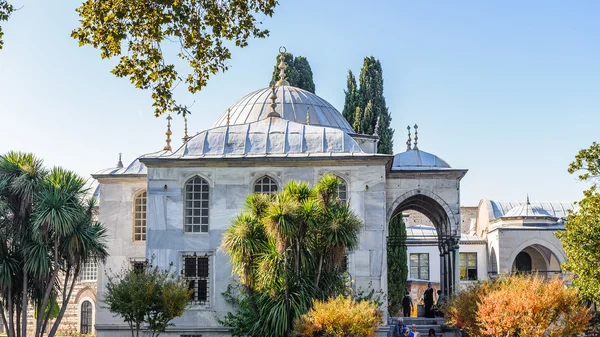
x: 527, y: 210
x: 135, y: 167
x: 418, y: 160
x: 292, y: 104
x: 272, y: 136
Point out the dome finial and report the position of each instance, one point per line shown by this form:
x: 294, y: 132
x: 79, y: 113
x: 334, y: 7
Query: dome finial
x: 408, y: 142
x: 528, y: 203
x: 416, y: 137
x: 185, y: 131
x: 120, y: 163
x: 168, y: 133
x: 282, y: 67
x: 376, y: 131
x: 273, y: 104
x: 228, y: 118
x: 308, y: 116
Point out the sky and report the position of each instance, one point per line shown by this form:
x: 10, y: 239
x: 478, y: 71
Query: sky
x: 506, y: 89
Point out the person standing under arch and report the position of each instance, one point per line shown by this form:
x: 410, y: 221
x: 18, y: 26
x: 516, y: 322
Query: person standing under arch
x: 407, y: 305
x: 428, y: 299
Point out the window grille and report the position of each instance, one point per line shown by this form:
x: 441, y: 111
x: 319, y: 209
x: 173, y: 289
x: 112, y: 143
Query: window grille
x: 265, y: 185
x: 89, y: 273
x: 196, y: 272
x: 342, y: 191
x: 85, y: 326
x: 139, y: 217
x: 196, y: 206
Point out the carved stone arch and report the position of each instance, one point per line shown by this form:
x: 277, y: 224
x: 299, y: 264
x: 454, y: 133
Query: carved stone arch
x: 436, y: 216
x: 204, y: 176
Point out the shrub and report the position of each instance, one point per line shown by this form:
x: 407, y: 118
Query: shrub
x: 339, y: 317
x: 519, y: 306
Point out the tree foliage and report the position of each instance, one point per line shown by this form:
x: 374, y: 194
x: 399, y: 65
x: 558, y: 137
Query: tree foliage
x: 141, y: 32
x: 339, y: 316
x: 298, y: 72
x: 6, y: 10
x: 518, y: 306
x: 150, y: 296
x: 582, y: 230
x: 287, y: 250
x: 364, y: 105
x: 397, y: 265
x: 47, y: 229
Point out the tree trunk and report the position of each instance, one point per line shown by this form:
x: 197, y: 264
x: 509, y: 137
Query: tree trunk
x: 319, y: 271
x: 18, y: 320
x: 4, y: 322
x: 287, y: 294
x: 24, y: 306
x: 65, y: 302
x: 11, y: 314
x: 49, y: 288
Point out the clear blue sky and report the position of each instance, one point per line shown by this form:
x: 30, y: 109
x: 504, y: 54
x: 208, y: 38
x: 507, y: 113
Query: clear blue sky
x: 508, y: 89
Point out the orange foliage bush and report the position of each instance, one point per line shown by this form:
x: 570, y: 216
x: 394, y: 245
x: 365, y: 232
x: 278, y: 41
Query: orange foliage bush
x: 339, y: 317
x: 519, y: 306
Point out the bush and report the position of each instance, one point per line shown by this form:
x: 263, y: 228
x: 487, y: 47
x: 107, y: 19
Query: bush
x: 339, y: 317
x: 518, y: 306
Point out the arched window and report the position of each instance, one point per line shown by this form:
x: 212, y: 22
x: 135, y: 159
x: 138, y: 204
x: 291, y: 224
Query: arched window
x: 139, y: 217
x: 85, y: 325
x: 196, y: 206
x: 266, y: 185
x: 342, y: 191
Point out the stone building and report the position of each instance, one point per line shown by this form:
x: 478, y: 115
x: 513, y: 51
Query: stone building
x: 173, y: 206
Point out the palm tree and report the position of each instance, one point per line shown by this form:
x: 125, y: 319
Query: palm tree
x: 50, y: 231
x: 286, y: 249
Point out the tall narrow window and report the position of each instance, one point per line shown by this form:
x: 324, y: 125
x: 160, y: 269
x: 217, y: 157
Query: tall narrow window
x: 196, y: 271
x: 139, y: 217
x: 468, y: 266
x: 89, y: 272
x: 85, y: 326
x: 419, y: 266
x: 342, y: 191
x: 266, y: 185
x: 196, y: 206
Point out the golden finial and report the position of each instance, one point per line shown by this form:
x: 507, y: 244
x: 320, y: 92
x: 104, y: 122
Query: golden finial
x: 120, y: 162
x: 416, y: 137
x: 228, y: 118
x: 307, y: 116
x: 185, y: 131
x: 273, y: 104
x: 376, y: 131
x: 282, y: 66
x: 168, y: 133
x: 409, y: 139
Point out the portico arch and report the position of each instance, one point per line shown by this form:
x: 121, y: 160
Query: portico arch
x: 446, y: 224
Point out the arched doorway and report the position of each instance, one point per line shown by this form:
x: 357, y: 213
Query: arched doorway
x: 443, y: 219
x: 522, y: 263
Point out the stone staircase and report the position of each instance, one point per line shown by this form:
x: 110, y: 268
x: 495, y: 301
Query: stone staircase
x: 424, y: 324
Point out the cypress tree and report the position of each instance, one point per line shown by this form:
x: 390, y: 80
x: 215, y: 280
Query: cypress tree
x: 397, y: 264
x: 298, y: 72
x: 351, y: 100
x: 358, y: 116
x: 370, y: 90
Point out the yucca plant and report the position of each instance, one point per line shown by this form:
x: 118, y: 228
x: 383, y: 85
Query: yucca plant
x: 49, y: 231
x: 286, y: 250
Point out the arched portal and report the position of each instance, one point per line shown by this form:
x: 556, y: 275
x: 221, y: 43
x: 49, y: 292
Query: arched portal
x: 444, y: 220
x: 538, y: 259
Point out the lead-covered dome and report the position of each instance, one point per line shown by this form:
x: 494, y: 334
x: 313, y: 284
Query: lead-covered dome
x: 414, y: 159
x: 293, y: 104
x: 527, y: 211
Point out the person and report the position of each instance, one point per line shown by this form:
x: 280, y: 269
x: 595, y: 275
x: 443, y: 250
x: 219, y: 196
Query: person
x: 399, y: 328
x: 407, y: 305
x: 414, y: 331
x: 441, y: 298
x: 428, y: 299
x: 407, y: 333
x: 431, y: 332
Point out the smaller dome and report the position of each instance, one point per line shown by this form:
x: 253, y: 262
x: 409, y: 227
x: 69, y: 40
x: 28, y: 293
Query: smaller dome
x: 418, y: 160
x: 527, y: 211
x: 135, y: 167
